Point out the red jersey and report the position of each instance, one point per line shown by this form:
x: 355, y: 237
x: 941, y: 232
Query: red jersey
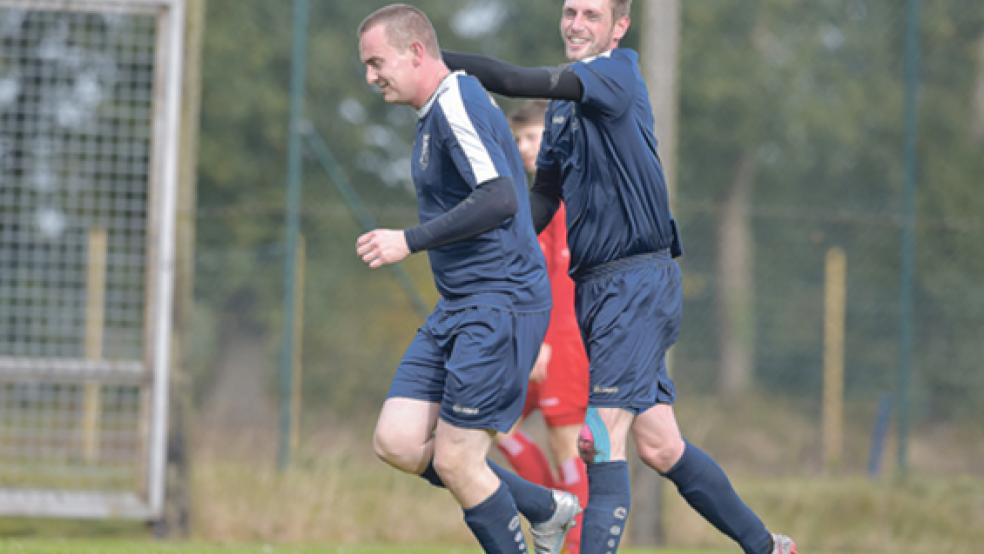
x: 563, y: 321
x: 564, y: 393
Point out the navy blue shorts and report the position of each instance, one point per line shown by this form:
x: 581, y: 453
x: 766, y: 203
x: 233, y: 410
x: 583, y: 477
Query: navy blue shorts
x: 629, y: 312
x: 475, y: 361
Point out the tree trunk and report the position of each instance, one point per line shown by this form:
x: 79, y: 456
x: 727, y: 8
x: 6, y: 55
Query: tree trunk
x: 660, y: 60
x: 735, y: 283
x: 978, y: 108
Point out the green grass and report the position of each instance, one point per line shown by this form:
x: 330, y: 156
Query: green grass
x: 352, y: 500
x: 337, y: 493
x: 144, y: 547
x: 343, y: 498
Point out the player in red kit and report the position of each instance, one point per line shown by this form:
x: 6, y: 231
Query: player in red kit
x: 559, y: 381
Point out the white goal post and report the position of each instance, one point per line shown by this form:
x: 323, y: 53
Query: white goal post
x: 89, y: 125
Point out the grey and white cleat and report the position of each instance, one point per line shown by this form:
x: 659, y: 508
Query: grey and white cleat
x: 781, y: 544
x: 548, y: 536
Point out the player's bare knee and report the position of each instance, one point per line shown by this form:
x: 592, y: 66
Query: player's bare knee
x: 390, y: 446
x: 596, y: 443
x: 380, y: 446
x: 450, y: 465
x: 660, y: 456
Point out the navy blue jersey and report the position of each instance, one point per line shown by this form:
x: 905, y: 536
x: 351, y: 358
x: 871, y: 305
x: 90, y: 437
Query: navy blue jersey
x: 605, y: 149
x: 463, y: 140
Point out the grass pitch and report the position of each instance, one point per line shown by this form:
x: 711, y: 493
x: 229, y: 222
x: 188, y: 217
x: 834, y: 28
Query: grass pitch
x: 146, y: 547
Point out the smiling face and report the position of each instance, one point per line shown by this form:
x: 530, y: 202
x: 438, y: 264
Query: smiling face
x: 392, y: 70
x: 589, y: 28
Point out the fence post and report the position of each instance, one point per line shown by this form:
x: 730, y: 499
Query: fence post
x: 908, y: 227
x: 662, y: 22
x: 835, y: 297
x: 294, y: 171
x: 95, y: 315
x: 297, y: 365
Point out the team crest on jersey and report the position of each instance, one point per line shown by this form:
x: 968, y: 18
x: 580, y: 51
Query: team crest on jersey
x: 425, y: 150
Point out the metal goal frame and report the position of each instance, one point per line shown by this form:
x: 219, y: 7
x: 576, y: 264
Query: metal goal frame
x: 150, y: 373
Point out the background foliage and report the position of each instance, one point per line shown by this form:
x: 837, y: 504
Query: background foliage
x: 791, y: 143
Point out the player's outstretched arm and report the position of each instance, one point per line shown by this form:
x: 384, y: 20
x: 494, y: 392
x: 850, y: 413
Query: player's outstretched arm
x: 488, y: 206
x: 558, y: 83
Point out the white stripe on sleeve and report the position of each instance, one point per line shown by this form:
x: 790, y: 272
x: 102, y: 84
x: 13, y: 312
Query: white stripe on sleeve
x: 461, y: 125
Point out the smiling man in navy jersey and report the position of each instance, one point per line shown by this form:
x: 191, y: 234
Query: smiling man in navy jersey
x: 463, y: 378
x: 598, y: 154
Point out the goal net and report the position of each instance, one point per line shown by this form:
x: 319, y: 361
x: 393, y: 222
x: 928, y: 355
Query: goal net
x: 89, y: 96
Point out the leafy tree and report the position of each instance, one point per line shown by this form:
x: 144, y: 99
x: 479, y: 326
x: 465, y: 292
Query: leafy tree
x: 790, y: 143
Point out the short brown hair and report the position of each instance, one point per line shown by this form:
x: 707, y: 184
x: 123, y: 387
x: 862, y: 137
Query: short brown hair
x: 530, y: 112
x: 621, y: 8
x: 404, y: 24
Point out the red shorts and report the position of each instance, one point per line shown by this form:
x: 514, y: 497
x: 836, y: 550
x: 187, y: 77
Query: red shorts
x: 563, y: 396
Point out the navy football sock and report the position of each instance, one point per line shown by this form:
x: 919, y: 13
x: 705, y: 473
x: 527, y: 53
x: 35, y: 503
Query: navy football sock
x: 495, y: 523
x: 430, y: 475
x: 609, y: 500
x: 536, y: 503
x: 704, y: 486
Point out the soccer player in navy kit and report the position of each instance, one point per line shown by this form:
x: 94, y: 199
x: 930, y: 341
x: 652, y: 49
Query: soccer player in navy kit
x: 598, y: 153
x: 464, y: 375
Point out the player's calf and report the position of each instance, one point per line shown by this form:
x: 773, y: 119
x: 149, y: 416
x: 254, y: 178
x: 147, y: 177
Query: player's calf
x: 609, y: 497
x: 609, y: 501
x: 495, y: 523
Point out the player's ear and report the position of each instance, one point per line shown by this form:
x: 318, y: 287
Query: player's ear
x: 621, y: 27
x: 419, y: 51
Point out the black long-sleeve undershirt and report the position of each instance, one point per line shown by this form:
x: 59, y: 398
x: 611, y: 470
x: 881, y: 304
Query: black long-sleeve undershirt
x: 545, y: 197
x: 557, y: 83
x: 490, y: 204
